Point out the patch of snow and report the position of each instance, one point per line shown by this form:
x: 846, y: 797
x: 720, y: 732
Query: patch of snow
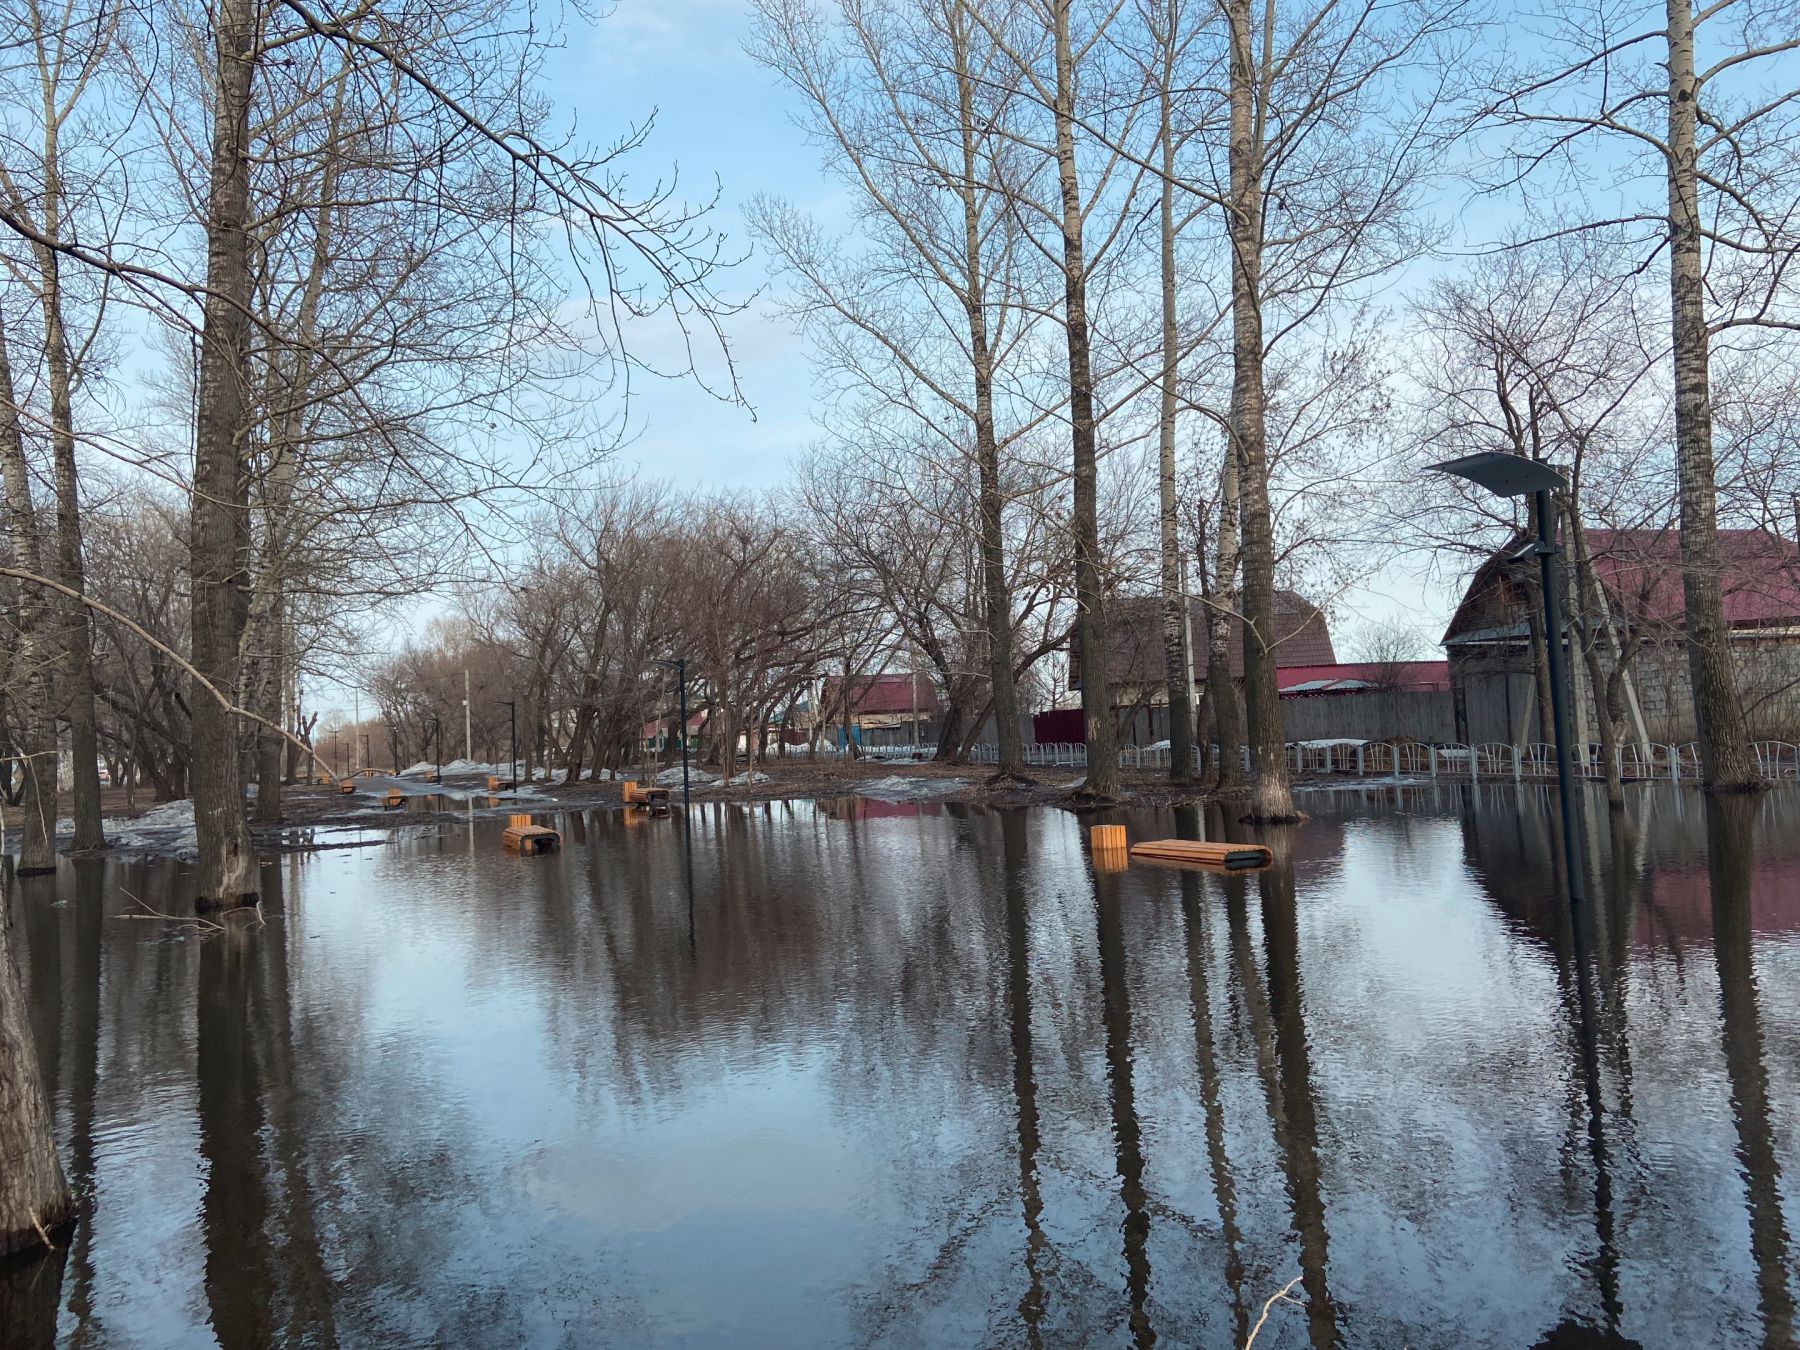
x: 748, y: 778
x: 165, y: 828
x: 696, y: 777
x: 1331, y: 744
x: 901, y: 788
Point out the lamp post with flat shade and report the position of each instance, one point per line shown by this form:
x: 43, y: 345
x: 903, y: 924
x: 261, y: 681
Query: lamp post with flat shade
x: 1507, y: 475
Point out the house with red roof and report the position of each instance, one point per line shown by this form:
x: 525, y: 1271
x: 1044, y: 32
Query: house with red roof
x: 1636, y: 622
x: 885, y: 709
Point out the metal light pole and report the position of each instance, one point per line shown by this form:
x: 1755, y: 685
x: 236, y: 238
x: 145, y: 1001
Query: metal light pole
x: 512, y: 716
x: 679, y: 666
x: 1507, y: 475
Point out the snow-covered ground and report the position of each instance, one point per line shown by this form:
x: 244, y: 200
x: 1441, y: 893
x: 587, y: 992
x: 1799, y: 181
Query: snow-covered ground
x: 167, y: 828
x: 901, y: 788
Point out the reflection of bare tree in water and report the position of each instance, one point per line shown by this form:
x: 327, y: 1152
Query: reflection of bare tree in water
x: 1018, y: 1016
x: 1730, y: 823
x: 82, y: 997
x: 265, y: 1278
x: 1293, y: 1107
x: 1206, y: 1063
x: 1115, y: 1004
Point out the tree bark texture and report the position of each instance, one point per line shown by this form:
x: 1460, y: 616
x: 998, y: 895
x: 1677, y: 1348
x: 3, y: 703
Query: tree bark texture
x: 996, y: 596
x: 1270, y: 798
x: 77, y: 624
x: 1727, y: 760
x: 1090, y: 600
x: 34, y: 1194
x: 31, y: 683
x: 1228, y: 720
x: 1174, y: 602
x: 219, y: 531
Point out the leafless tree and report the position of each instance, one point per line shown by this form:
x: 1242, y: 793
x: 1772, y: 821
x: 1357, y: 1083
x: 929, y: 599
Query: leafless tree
x: 1715, y: 134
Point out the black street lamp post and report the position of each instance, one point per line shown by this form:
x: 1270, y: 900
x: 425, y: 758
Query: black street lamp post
x: 512, y: 716
x: 679, y: 665
x: 1507, y: 475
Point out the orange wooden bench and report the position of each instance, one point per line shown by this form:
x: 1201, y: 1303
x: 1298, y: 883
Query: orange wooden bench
x: 1233, y: 856
x: 394, y: 799
x: 346, y: 785
x: 644, y: 796
x: 498, y: 784
x: 521, y: 836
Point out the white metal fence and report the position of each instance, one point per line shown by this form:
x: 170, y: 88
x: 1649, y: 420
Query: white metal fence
x: 1411, y: 759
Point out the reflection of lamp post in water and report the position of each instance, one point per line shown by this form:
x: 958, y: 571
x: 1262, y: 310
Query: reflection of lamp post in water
x: 1507, y: 475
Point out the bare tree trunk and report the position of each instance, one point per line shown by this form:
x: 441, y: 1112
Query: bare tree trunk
x: 219, y: 536
x: 34, y: 1194
x: 30, y: 684
x: 1090, y: 601
x: 77, y: 624
x: 270, y: 748
x: 1585, y: 625
x: 1174, y: 602
x: 996, y: 596
x: 1270, y: 799
x: 1228, y: 718
x: 1726, y: 756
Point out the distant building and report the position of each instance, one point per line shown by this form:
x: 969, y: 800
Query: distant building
x: 1488, y: 642
x: 884, y: 709
x: 1136, y: 670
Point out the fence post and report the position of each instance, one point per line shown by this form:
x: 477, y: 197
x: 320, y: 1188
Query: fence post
x: 1359, y: 761
x: 1674, y: 763
x: 1433, y: 761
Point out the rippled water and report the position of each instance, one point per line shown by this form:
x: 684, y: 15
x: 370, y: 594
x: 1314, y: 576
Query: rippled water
x: 859, y: 1073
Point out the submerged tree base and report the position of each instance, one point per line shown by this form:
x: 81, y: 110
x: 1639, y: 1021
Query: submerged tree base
x: 206, y: 904
x: 1008, y: 779
x: 1295, y: 817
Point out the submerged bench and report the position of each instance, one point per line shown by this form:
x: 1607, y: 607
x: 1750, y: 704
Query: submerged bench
x: 394, y: 799
x: 645, y: 796
x: 1234, y: 856
x: 521, y: 836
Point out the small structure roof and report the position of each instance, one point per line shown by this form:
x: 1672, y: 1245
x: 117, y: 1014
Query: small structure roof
x: 1641, y: 572
x: 872, y: 695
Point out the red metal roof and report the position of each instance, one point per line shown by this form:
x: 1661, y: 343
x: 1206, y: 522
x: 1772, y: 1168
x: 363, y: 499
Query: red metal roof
x: 1348, y: 675
x: 1641, y: 569
x: 875, y: 694
x: 1759, y: 582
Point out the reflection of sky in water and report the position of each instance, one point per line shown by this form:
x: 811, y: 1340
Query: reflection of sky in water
x: 779, y: 1091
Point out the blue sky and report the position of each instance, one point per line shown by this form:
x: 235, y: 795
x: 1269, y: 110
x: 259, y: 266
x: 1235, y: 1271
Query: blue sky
x: 720, y: 119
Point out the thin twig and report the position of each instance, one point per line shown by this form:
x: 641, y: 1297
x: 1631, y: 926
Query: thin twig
x: 1279, y: 1296
x: 42, y: 1235
x: 193, y: 920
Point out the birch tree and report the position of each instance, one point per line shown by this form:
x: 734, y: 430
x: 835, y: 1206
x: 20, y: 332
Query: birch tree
x: 30, y: 671
x: 1328, y: 145
x: 1702, y: 104
x: 53, y: 177
x: 934, y: 300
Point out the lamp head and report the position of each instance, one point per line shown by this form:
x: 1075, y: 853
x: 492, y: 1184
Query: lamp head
x: 1502, y: 474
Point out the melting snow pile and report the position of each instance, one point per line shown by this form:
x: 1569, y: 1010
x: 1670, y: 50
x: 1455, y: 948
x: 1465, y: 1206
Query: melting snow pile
x: 168, y: 828
x: 900, y: 788
x: 696, y: 777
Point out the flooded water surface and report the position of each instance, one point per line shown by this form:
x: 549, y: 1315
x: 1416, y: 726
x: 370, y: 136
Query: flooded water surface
x: 911, y: 1075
